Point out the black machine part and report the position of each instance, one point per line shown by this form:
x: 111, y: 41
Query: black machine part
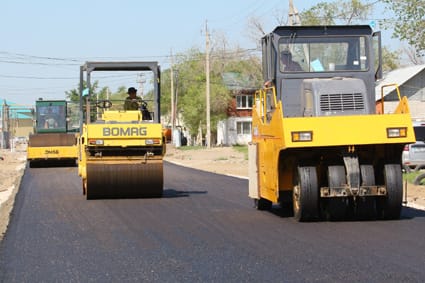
x: 334, y: 96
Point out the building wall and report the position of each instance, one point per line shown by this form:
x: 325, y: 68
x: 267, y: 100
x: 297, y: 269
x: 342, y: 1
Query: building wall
x: 233, y: 111
x: 227, y: 131
x: 21, y: 127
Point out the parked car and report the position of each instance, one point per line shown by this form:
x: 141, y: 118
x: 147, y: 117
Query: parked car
x: 414, y: 155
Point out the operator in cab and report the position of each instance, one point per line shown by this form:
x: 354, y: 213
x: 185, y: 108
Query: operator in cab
x: 51, y: 120
x: 132, y: 102
x: 288, y: 64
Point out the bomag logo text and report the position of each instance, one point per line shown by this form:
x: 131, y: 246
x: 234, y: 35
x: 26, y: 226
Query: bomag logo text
x: 51, y: 151
x: 130, y: 131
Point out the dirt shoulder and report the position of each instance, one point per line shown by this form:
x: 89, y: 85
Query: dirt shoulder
x: 228, y: 161
x: 221, y: 160
x: 12, y: 169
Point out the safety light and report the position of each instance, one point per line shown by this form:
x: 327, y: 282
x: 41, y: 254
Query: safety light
x: 96, y: 142
x: 302, y: 136
x: 397, y: 132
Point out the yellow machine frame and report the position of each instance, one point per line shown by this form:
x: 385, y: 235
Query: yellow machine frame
x: 279, y: 133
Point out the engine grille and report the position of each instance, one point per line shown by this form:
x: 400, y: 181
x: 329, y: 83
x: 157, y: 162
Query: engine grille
x: 341, y: 102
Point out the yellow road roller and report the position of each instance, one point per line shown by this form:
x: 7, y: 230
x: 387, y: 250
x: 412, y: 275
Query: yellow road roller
x: 120, y: 150
x: 321, y: 144
x: 54, y: 141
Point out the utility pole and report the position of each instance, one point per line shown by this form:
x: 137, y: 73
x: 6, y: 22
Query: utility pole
x: 5, y: 125
x: 173, y: 120
x: 141, y: 80
x: 207, y: 90
x: 176, y: 112
x: 294, y: 19
x: 293, y: 16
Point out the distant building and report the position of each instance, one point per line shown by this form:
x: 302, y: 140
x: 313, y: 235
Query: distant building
x: 236, y: 129
x: 17, y: 122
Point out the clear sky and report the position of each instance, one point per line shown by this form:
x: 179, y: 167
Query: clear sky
x: 43, y: 43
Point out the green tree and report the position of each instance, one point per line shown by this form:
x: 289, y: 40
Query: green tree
x: 74, y: 94
x: 390, y: 59
x: 190, y: 87
x: 189, y: 78
x: 338, y: 12
x: 409, y: 24
x: 320, y: 14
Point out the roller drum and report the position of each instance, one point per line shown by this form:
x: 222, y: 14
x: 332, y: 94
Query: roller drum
x: 125, y: 180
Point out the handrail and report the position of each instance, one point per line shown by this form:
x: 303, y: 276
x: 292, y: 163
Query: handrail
x: 261, y: 103
x: 382, y: 94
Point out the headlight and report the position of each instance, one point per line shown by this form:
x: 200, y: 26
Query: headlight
x: 396, y: 132
x: 302, y: 136
x: 153, y: 141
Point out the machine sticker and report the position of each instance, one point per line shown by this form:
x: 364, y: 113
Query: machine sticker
x: 129, y: 131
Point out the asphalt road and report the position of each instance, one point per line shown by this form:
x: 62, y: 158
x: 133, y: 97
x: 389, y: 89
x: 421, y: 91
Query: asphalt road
x: 205, y: 229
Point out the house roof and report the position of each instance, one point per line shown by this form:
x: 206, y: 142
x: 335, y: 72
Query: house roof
x: 16, y: 111
x: 237, y: 81
x: 399, y: 77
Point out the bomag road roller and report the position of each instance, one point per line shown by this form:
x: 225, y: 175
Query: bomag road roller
x: 54, y: 141
x: 120, y: 151
x: 321, y: 144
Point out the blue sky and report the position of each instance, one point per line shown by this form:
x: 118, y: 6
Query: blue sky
x: 44, y: 42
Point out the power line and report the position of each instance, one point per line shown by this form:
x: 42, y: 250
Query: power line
x: 60, y: 78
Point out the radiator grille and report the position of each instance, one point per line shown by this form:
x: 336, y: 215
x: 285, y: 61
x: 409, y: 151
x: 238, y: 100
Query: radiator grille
x: 341, y: 102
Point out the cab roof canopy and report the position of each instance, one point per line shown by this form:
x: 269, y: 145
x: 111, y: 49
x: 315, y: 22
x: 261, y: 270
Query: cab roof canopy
x: 323, y: 30
x: 120, y: 66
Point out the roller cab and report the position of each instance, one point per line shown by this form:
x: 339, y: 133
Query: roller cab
x: 320, y: 144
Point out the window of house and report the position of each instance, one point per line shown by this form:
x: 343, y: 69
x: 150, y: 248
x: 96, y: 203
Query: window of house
x: 244, y: 101
x: 243, y: 128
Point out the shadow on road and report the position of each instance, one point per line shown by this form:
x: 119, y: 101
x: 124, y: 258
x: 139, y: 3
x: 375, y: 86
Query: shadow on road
x: 51, y: 163
x: 409, y: 213
x: 406, y: 213
x: 282, y: 211
x: 171, y: 193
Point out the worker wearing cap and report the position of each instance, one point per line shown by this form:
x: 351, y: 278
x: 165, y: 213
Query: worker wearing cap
x: 132, y: 101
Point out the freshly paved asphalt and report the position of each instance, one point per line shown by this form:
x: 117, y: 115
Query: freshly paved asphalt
x: 204, y: 229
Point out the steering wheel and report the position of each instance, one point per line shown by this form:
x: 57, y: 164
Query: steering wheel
x: 104, y: 104
x: 143, y: 105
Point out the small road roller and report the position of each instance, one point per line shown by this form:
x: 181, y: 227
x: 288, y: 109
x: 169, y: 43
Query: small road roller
x: 120, y: 151
x: 322, y: 143
x: 54, y: 141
